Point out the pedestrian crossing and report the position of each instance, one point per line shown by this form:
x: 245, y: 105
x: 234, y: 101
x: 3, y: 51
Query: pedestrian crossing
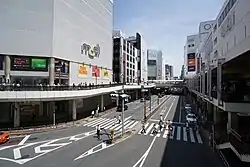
x: 179, y: 133
x: 108, y: 124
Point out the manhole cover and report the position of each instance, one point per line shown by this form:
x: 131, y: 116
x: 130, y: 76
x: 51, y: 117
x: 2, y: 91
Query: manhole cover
x: 33, y: 138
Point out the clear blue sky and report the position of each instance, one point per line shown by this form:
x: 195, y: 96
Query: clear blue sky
x: 164, y: 24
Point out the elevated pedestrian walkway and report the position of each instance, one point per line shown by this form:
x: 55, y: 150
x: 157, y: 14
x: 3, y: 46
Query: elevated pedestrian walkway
x: 21, y: 95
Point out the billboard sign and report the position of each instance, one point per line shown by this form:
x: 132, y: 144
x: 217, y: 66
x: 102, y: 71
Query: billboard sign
x: 191, y: 62
x: 95, y: 71
x: 83, y: 70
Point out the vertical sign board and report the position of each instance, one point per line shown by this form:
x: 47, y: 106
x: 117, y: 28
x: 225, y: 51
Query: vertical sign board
x: 191, y: 62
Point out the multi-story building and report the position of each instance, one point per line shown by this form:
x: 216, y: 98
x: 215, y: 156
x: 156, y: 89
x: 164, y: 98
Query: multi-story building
x: 168, y: 72
x: 56, y: 41
x: 221, y: 86
x: 124, y: 59
x: 53, y: 41
x: 141, y: 45
x: 155, y: 64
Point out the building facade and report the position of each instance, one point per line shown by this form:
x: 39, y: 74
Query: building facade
x: 169, y: 72
x: 124, y: 59
x: 141, y: 46
x: 55, y: 41
x: 155, y: 64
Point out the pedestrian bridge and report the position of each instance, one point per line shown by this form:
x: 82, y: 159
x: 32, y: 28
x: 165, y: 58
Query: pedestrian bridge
x: 167, y: 83
x: 58, y: 93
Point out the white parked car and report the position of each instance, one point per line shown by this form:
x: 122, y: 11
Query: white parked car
x: 191, y: 118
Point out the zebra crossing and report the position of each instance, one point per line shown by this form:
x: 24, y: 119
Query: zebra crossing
x: 108, y: 124
x: 179, y: 133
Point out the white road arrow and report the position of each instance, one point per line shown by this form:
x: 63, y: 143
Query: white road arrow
x: 92, y: 150
x: 81, y: 136
x: 50, y: 144
x: 141, y: 161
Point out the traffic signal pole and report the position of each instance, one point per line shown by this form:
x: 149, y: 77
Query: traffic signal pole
x: 122, y: 116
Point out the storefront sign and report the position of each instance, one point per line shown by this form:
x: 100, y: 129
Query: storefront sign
x: 83, y: 70
x: 91, y: 51
x: 191, y: 62
x: 95, y: 71
x: 105, y: 73
x: 38, y: 63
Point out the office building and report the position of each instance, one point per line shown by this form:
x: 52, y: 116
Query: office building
x: 168, y: 72
x: 54, y: 41
x: 155, y: 64
x: 124, y: 59
x: 141, y: 46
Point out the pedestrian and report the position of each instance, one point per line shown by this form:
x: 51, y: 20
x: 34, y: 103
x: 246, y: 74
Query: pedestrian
x: 98, y: 129
x: 154, y: 129
x: 93, y: 114
x: 143, y: 128
x: 119, y: 119
x: 115, y: 120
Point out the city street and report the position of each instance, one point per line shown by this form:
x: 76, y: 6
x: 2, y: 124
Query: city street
x: 79, y: 146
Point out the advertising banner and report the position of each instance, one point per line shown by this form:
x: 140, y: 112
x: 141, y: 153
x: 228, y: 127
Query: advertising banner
x: 105, y: 73
x: 95, y: 71
x: 19, y: 63
x: 62, y: 65
x: 191, y: 62
x: 83, y: 70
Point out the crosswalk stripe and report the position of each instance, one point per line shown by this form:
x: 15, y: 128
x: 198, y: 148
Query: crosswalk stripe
x: 106, y: 122
x: 199, y: 137
x: 131, y: 122
x: 178, y: 133
x: 131, y: 126
x: 94, y: 122
x: 184, y: 134
x: 149, y: 128
x: 109, y: 125
x: 192, y: 135
x: 120, y: 125
x: 165, y: 134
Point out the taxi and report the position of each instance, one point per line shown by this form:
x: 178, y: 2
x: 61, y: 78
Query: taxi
x: 4, y: 137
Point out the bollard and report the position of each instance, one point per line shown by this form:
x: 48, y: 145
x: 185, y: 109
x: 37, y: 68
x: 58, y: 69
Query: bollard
x: 112, y: 133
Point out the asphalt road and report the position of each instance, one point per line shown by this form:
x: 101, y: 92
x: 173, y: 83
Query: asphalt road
x: 78, y: 146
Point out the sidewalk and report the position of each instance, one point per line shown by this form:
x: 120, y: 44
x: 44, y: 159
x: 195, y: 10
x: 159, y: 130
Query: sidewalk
x: 45, y: 128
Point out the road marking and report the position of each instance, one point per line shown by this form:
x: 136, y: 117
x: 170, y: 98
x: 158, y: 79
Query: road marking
x: 149, y: 128
x: 141, y: 161
x: 191, y: 135
x: 24, y: 140
x: 184, y: 134
x: 178, y: 133
x: 92, y: 150
x: 168, y: 111
x: 180, y: 110
x: 199, y: 137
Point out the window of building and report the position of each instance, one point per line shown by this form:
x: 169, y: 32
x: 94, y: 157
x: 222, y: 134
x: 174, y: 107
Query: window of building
x: 127, y: 64
x: 130, y: 65
x: 133, y: 60
x: 127, y: 57
x: 130, y: 72
x: 133, y: 66
x: 127, y: 71
x: 133, y: 73
x: 225, y: 12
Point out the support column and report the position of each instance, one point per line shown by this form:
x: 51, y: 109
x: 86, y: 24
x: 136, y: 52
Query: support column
x: 7, y: 69
x: 16, y: 115
x: 52, y: 112
x: 51, y: 71
x: 40, y: 113
x: 74, y: 110
x: 136, y: 94
x: 101, y: 103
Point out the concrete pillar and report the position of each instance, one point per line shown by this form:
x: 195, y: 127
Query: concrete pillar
x: 74, y: 110
x: 136, y: 94
x: 7, y: 68
x: 229, y: 121
x: 51, y: 71
x: 16, y: 115
x: 52, y: 112
x: 40, y: 113
x: 101, y: 103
